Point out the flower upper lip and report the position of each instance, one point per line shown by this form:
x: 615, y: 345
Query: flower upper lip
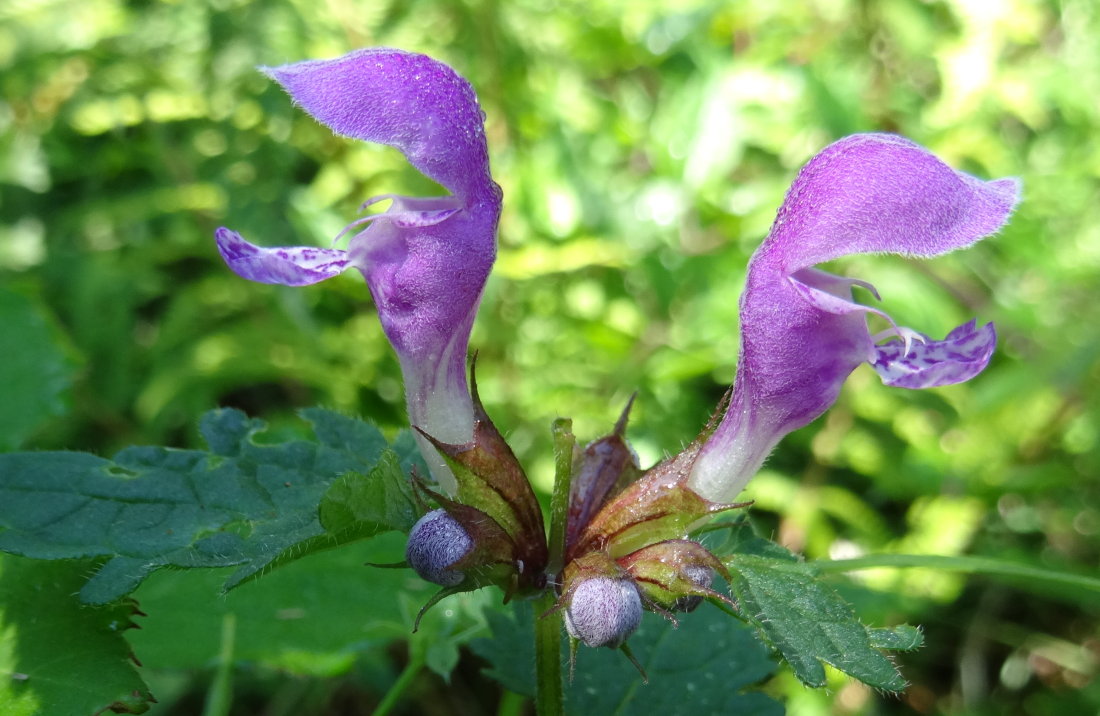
x: 407, y: 100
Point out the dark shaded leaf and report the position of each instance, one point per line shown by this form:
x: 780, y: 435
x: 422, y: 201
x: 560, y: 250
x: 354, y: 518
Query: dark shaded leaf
x: 700, y: 668
x: 313, y: 617
x: 245, y: 503
x: 511, y: 649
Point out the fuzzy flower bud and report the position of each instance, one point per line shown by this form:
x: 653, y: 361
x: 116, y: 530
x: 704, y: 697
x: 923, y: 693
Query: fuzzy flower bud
x: 436, y: 542
x: 701, y: 577
x: 674, y: 575
x: 603, y: 611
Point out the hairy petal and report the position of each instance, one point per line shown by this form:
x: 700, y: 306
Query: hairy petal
x: 795, y: 356
x: 286, y: 265
x: 603, y: 611
x: 960, y: 356
x: 426, y: 280
x: 408, y: 101
x: 881, y: 193
x: 801, y: 332
x: 435, y: 543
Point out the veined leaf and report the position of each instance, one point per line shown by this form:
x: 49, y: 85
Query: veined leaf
x: 241, y: 503
x: 810, y: 624
x: 702, y: 667
x: 364, y: 505
x: 800, y: 615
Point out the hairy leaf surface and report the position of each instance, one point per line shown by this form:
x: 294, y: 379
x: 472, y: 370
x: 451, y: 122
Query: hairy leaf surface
x: 241, y: 503
x: 811, y: 625
x: 701, y: 667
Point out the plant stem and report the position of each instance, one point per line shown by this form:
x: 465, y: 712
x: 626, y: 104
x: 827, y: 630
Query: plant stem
x: 548, y: 696
x: 219, y: 698
x: 548, y: 692
x: 564, y: 441
x: 407, y: 676
x: 972, y: 565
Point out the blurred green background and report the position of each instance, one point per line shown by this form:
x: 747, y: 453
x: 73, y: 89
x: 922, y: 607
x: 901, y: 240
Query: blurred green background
x: 643, y: 149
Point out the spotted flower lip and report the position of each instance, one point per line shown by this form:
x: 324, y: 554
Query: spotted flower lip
x: 425, y: 259
x: 801, y: 332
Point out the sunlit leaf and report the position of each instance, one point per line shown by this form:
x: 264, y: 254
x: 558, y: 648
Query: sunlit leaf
x: 811, y: 625
x: 57, y: 656
x: 359, y: 505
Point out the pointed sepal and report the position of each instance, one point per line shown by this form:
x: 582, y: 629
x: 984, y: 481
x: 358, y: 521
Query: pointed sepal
x: 675, y: 575
x: 492, y: 484
x: 602, y: 470
x: 658, y: 507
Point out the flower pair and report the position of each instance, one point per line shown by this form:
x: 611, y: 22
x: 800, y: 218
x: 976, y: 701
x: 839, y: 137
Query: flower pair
x: 426, y: 261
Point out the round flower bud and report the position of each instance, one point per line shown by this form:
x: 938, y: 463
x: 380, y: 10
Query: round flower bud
x: 603, y: 611
x: 436, y: 542
x: 701, y: 577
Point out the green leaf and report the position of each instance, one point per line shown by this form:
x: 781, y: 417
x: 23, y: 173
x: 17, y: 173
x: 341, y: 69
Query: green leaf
x: 704, y: 666
x: 446, y: 628
x: 511, y: 650
x: 354, y: 507
x: 35, y: 372
x: 57, y: 657
x: 810, y: 624
x: 312, y: 617
x: 358, y: 505
x: 243, y: 503
x: 900, y: 638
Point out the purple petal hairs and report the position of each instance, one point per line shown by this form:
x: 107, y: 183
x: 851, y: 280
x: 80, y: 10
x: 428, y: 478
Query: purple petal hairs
x: 436, y: 542
x: 603, y: 611
x: 425, y: 260
x: 801, y: 333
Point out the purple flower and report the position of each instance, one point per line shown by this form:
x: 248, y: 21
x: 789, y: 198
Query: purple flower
x: 801, y: 333
x: 425, y: 259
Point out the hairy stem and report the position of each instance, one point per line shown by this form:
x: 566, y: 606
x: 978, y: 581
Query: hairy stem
x: 548, y: 692
x: 564, y: 441
x: 548, y: 699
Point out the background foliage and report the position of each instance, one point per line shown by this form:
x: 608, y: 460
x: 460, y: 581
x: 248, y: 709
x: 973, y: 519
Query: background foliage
x: 643, y: 149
